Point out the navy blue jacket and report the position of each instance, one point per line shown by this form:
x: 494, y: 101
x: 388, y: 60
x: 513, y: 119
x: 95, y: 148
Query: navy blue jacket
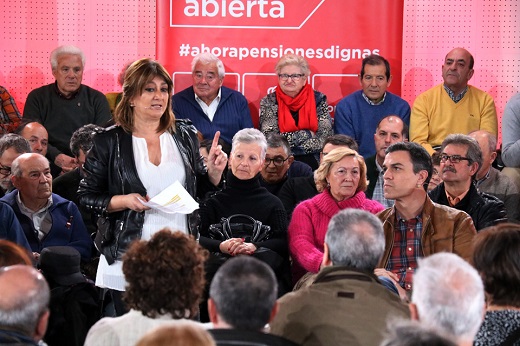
x: 67, y: 228
x: 10, y: 228
x: 231, y: 116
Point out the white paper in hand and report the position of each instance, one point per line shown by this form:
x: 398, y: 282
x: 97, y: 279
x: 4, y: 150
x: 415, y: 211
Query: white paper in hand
x: 174, y: 199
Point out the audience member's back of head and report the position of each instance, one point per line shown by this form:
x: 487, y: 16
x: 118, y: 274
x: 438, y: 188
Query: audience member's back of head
x: 165, y: 275
x: 11, y: 254
x: 355, y: 239
x: 413, y: 333
x: 24, y: 299
x: 496, y: 257
x: 448, y: 296
x: 244, y: 292
x: 182, y: 334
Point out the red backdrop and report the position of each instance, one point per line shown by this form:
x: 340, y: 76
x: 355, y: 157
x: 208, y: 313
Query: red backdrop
x: 251, y: 35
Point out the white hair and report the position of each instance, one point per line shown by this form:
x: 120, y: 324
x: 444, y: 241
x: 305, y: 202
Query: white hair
x: 61, y: 50
x: 250, y: 135
x: 449, y: 295
x: 207, y: 58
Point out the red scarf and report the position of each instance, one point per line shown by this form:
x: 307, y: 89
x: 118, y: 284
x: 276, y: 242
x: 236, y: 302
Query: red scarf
x: 304, y: 103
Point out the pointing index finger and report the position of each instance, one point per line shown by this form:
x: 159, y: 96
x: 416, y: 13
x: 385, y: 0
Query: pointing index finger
x: 215, y: 140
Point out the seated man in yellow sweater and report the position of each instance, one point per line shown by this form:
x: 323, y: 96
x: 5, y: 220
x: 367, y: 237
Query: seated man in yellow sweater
x: 453, y: 106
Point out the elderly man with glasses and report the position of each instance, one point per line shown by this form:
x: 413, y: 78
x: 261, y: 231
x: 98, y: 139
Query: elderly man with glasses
x: 279, y: 164
x: 461, y: 159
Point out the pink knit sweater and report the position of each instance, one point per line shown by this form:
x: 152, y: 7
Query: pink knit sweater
x: 309, y: 223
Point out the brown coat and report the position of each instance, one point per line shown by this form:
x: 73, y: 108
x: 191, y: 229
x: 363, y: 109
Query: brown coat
x: 445, y: 229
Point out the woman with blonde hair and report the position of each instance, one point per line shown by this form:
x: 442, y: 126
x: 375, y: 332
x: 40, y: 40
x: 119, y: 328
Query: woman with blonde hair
x: 296, y: 111
x: 341, y: 181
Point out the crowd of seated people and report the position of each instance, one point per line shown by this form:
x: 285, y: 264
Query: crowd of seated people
x: 78, y: 177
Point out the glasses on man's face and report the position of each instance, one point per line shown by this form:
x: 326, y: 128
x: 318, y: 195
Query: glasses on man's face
x: 295, y: 77
x: 277, y: 161
x: 453, y: 158
x: 4, y: 170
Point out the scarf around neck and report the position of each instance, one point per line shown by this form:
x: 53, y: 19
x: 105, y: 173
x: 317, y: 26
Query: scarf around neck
x: 304, y: 103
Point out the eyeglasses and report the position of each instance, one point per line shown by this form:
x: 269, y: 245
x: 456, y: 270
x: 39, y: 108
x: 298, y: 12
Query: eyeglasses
x: 294, y: 77
x: 277, y: 161
x: 4, y: 170
x: 453, y: 158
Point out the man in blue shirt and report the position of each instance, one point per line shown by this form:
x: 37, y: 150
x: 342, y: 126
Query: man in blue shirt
x: 358, y: 114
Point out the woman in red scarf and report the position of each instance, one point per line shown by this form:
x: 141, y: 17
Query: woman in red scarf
x: 296, y: 111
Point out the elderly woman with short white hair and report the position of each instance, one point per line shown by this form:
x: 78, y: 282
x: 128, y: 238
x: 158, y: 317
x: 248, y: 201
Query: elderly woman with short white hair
x: 243, y: 195
x: 297, y: 111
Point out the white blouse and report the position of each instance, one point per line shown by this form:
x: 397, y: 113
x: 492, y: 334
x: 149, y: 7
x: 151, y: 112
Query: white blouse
x: 155, y: 179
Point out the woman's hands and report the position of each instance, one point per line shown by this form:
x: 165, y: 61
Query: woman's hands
x: 130, y: 201
x: 217, y: 161
x: 237, y: 246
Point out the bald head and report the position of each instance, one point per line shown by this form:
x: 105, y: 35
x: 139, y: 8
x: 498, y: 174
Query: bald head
x: 37, y: 136
x: 24, y: 300
x: 488, y: 145
x: 457, y: 69
x: 390, y: 130
x: 32, y: 177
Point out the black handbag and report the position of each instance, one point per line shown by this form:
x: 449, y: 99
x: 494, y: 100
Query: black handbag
x: 251, y: 232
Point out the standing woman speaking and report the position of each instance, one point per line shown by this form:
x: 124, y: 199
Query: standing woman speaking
x: 145, y: 152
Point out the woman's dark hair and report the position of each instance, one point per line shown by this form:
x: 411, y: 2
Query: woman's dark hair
x: 165, y: 275
x: 496, y: 256
x: 137, y: 76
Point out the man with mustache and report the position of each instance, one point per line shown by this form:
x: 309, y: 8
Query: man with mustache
x: 461, y: 159
x: 453, y: 106
x: 416, y: 227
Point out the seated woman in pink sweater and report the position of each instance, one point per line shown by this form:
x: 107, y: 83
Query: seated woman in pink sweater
x: 341, y: 179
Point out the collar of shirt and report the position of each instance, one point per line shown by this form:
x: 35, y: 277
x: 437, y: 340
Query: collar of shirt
x: 484, y: 178
x: 454, y: 200
x: 29, y: 212
x: 451, y: 94
x: 372, y: 103
x: 379, y: 168
x: 59, y: 93
x: 210, y: 109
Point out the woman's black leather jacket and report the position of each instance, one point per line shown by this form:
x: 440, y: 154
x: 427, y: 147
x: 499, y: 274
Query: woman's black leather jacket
x: 110, y: 170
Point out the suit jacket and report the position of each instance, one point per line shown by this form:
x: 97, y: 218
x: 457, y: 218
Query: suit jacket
x: 372, y: 175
